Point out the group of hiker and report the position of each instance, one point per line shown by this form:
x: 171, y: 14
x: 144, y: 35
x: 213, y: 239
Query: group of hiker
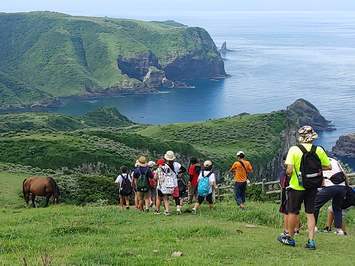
x: 154, y: 183
x: 310, y: 177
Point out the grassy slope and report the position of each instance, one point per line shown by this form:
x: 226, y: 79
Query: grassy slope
x: 45, y: 146
x: 257, y: 135
x: 61, y: 55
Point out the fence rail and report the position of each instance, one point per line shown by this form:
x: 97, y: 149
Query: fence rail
x: 267, y: 187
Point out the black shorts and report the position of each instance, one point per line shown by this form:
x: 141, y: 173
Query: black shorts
x: 124, y: 194
x: 295, y: 198
x: 283, y: 205
x: 160, y: 194
x: 208, y: 198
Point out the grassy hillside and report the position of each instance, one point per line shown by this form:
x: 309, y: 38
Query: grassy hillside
x: 104, y: 136
x: 45, y: 54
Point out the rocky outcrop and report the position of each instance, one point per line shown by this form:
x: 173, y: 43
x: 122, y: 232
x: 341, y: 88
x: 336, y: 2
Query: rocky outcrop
x: 298, y: 114
x: 345, y: 146
x: 154, y: 78
x: 192, y: 66
x: 138, y: 66
x: 302, y: 113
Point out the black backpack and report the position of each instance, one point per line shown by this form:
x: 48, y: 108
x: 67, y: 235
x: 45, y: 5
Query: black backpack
x: 311, y: 168
x: 126, y: 185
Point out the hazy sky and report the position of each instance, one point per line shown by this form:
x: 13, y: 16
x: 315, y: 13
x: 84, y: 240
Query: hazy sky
x: 157, y: 7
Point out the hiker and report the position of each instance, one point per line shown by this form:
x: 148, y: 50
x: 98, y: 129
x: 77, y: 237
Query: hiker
x: 141, y: 176
x: 125, y: 189
x: 348, y: 203
x: 194, y: 170
x: 136, y: 200
x: 334, y: 188
x: 304, y: 163
x: 284, y: 183
x: 241, y: 169
x: 165, y: 187
x: 171, y: 170
x: 206, y: 186
x: 152, y: 185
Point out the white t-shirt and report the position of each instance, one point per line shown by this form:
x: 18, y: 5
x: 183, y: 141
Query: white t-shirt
x: 336, y: 168
x: 119, y: 179
x: 211, y: 179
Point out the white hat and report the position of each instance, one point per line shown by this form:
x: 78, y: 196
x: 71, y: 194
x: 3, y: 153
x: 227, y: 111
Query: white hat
x: 151, y: 164
x: 240, y: 153
x: 169, y: 156
x: 207, y: 163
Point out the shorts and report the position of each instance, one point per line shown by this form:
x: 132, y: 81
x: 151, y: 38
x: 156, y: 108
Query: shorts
x: 208, y: 198
x: 283, y: 207
x: 295, y: 198
x: 160, y: 194
x: 153, y: 192
x: 123, y: 194
x: 142, y: 195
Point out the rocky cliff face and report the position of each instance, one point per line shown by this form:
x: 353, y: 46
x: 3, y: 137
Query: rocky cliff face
x: 300, y: 113
x: 345, y: 146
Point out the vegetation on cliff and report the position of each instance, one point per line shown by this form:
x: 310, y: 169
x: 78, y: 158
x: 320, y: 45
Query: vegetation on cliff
x: 45, y: 55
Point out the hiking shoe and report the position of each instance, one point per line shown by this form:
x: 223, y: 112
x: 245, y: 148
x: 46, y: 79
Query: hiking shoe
x: 311, y: 244
x: 287, y: 240
x: 340, y: 232
x: 327, y: 229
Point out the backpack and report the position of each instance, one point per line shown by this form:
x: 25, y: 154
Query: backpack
x: 170, y: 176
x: 203, y: 187
x: 142, y: 182
x: 311, y: 168
x: 126, y: 185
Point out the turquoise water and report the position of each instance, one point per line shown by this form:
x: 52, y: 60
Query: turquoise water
x: 277, y: 58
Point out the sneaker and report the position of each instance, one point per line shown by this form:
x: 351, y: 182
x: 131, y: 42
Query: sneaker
x: 340, y: 232
x: 284, y: 233
x: 311, y: 244
x: 297, y: 232
x: 157, y: 212
x: 146, y: 209
x: 178, y: 211
x: 287, y: 240
x: 127, y: 207
x: 327, y: 229
x: 166, y: 213
x: 194, y: 211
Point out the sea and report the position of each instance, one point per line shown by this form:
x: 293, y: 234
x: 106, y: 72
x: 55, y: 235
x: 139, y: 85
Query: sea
x: 274, y: 59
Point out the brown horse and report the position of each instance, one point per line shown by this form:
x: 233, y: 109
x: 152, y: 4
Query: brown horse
x: 40, y: 186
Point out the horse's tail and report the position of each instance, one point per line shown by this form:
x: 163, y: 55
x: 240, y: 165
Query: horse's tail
x: 56, y: 191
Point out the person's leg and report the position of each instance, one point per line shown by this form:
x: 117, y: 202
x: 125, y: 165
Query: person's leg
x: 243, y: 188
x: 126, y: 198
x: 166, y: 203
x: 200, y: 199
x: 239, y: 194
x: 236, y: 193
x: 309, y: 206
x: 337, y: 203
x: 136, y: 200
x: 322, y: 197
x: 158, y: 201
x: 285, y: 223
x: 146, y: 196
x: 121, y: 201
x: 209, y: 199
x: 293, y: 206
x: 311, y: 224
x: 330, y: 218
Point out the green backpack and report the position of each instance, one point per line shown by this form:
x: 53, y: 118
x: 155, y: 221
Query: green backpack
x: 142, y: 182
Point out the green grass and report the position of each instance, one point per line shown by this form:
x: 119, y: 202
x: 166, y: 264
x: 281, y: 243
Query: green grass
x: 72, y: 235
x: 107, y: 236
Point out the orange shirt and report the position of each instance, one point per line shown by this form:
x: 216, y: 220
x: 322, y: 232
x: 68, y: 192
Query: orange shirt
x: 240, y: 175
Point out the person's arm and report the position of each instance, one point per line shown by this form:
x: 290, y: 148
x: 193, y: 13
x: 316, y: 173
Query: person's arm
x: 232, y: 168
x: 326, y: 164
x: 250, y: 168
x: 289, y: 169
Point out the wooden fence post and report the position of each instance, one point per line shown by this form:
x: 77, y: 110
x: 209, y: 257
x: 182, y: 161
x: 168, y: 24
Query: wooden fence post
x: 263, y: 185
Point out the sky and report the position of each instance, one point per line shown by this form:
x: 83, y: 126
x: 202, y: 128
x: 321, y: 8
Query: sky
x: 156, y: 7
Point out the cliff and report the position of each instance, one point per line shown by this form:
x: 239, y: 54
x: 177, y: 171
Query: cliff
x: 46, y: 55
x: 345, y: 146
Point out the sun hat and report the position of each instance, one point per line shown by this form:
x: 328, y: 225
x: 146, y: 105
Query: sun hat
x: 306, y: 134
x: 169, y: 156
x: 240, y: 153
x: 207, y: 163
x: 142, y: 161
x: 151, y: 164
x: 160, y: 162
